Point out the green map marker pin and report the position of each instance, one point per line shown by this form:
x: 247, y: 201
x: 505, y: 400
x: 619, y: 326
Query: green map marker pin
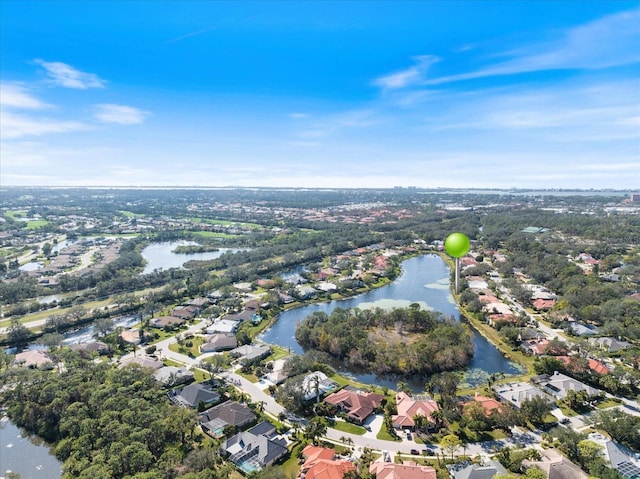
x: 457, y: 245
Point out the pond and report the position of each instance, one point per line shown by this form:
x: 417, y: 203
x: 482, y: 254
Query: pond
x: 25, y: 454
x: 424, y: 280
x: 162, y: 255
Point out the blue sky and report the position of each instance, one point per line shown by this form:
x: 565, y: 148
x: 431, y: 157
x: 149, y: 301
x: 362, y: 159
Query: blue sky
x: 539, y: 94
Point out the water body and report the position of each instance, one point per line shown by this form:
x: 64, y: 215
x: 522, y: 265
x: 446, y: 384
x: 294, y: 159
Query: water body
x: 33, y: 266
x: 424, y: 280
x: 25, y: 454
x: 85, y: 334
x: 161, y: 255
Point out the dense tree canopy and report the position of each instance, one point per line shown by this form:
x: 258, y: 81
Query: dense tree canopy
x: 104, y: 422
x: 402, y: 341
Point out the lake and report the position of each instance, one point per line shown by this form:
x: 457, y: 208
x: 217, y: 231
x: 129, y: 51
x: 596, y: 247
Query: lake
x: 24, y: 454
x: 161, y: 255
x: 424, y: 280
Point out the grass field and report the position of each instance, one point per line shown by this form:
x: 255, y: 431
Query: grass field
x: 35, y: 224
x: 194, y: 349
x: 213, y: 234
x: 349, y: 428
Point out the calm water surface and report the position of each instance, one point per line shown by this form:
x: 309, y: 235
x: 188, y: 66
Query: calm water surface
x: 424, y: 280
x: 25, y: 454
x: 161, y: 255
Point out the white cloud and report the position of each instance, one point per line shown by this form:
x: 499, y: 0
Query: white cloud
x: 298, y: 116
x: 13, y: 125
x: 17, y: 96
x: 606, y: 42
x: 121, y: 114
x: 411, y: 76
x: 66, y: 76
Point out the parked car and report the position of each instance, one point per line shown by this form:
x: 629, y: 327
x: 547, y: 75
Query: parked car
x: 415, y: 452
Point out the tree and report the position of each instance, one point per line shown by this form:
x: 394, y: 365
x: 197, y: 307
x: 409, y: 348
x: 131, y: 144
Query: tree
x: 450, y: 443
x: 535, y: 409
x: 18, y: 333
x: 316, y: 427
x: 535, y: 473
x: 51, y: 340
x: 103, y: 326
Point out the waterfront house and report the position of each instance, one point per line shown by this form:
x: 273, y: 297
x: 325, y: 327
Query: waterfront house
x: 358, y: 405
x: 219, y: 342
x: 409, y: 407
x: 558, y: 385
x: 517, y: 393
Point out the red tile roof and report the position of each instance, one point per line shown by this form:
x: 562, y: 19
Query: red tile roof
x: 598, y: 367
x: 359, y: 405
x: 408, y: 470
x: 409, y: 407
x: 319, y: 464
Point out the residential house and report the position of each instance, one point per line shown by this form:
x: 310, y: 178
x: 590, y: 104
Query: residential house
x: 358, y: 405
x: 320, y: 464
x: 581, y: 329
x: 517, y: 393
x: 558, y: 385
x: 219, y: 342
x: 304, y: 291
x: 168, y: 322
x: 36, y: 358
x: 409, y: 407
x: 194, y: 395
x: 198, y: 302
x: 250, y: 353
x: 406, y: 470
x: 131, y: 336
x: 142, y: 361
x: 172, y: 376
x: 91, y: 347
x: 229, y: 413
x: 464, y: 470
x: 185, y: 312
x: 610, y: 344
x: 555, y: 465
x: 543, y: 304
x: 256, y: 448
x: 598, y: 367
x: 536, y: 346
x: 277, y: 374
x: 316, y: 384
x: 497, y: 308
x: 621, y: 461
x: 489, y: 404
x: 223, y: 326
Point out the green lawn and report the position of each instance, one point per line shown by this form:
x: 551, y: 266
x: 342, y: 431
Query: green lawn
x: 213, y: 234
x: 35, y: 224
x: 348, y: 427
x: 183, y: 349
x: 291, y: 466
x: 129, y: 214
x: 249, y: 377
x: 566, y: 410
x: 171, y: 362
x: 384, y: 435
x: 608, y: 403
x: 278, y: 352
